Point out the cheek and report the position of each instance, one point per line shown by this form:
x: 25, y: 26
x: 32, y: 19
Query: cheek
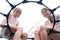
x: 45, y: 14
x: 18, y: 14
x: 15, y: 13
x: 48, y: 14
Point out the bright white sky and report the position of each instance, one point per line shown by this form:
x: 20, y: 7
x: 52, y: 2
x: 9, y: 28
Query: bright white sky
x: 31, y: 12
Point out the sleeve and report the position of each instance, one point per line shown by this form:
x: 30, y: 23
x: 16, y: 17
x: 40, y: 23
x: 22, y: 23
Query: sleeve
x: 4, y: 22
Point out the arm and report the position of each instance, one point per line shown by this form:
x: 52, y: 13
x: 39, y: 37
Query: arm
x: 3, y: 23
x: 48, y: 26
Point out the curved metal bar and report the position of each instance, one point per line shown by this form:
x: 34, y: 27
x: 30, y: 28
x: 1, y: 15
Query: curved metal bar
x: 31, y: 38
x: 9, y: 3
x: 3, y: 14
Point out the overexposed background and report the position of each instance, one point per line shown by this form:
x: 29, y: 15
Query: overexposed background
x: 31, y: 13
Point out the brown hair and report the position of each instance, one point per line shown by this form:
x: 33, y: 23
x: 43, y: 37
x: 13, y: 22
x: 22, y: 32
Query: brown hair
x: 44, y: 9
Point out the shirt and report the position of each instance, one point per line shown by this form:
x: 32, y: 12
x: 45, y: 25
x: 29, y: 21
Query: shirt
x: 12, y: 21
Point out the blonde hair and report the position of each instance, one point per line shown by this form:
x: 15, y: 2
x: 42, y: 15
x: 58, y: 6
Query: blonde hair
x: 17, y: 9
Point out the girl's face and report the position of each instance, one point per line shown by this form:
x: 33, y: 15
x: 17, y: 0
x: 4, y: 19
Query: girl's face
x: 17, y: 12
x: 46, y: 13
